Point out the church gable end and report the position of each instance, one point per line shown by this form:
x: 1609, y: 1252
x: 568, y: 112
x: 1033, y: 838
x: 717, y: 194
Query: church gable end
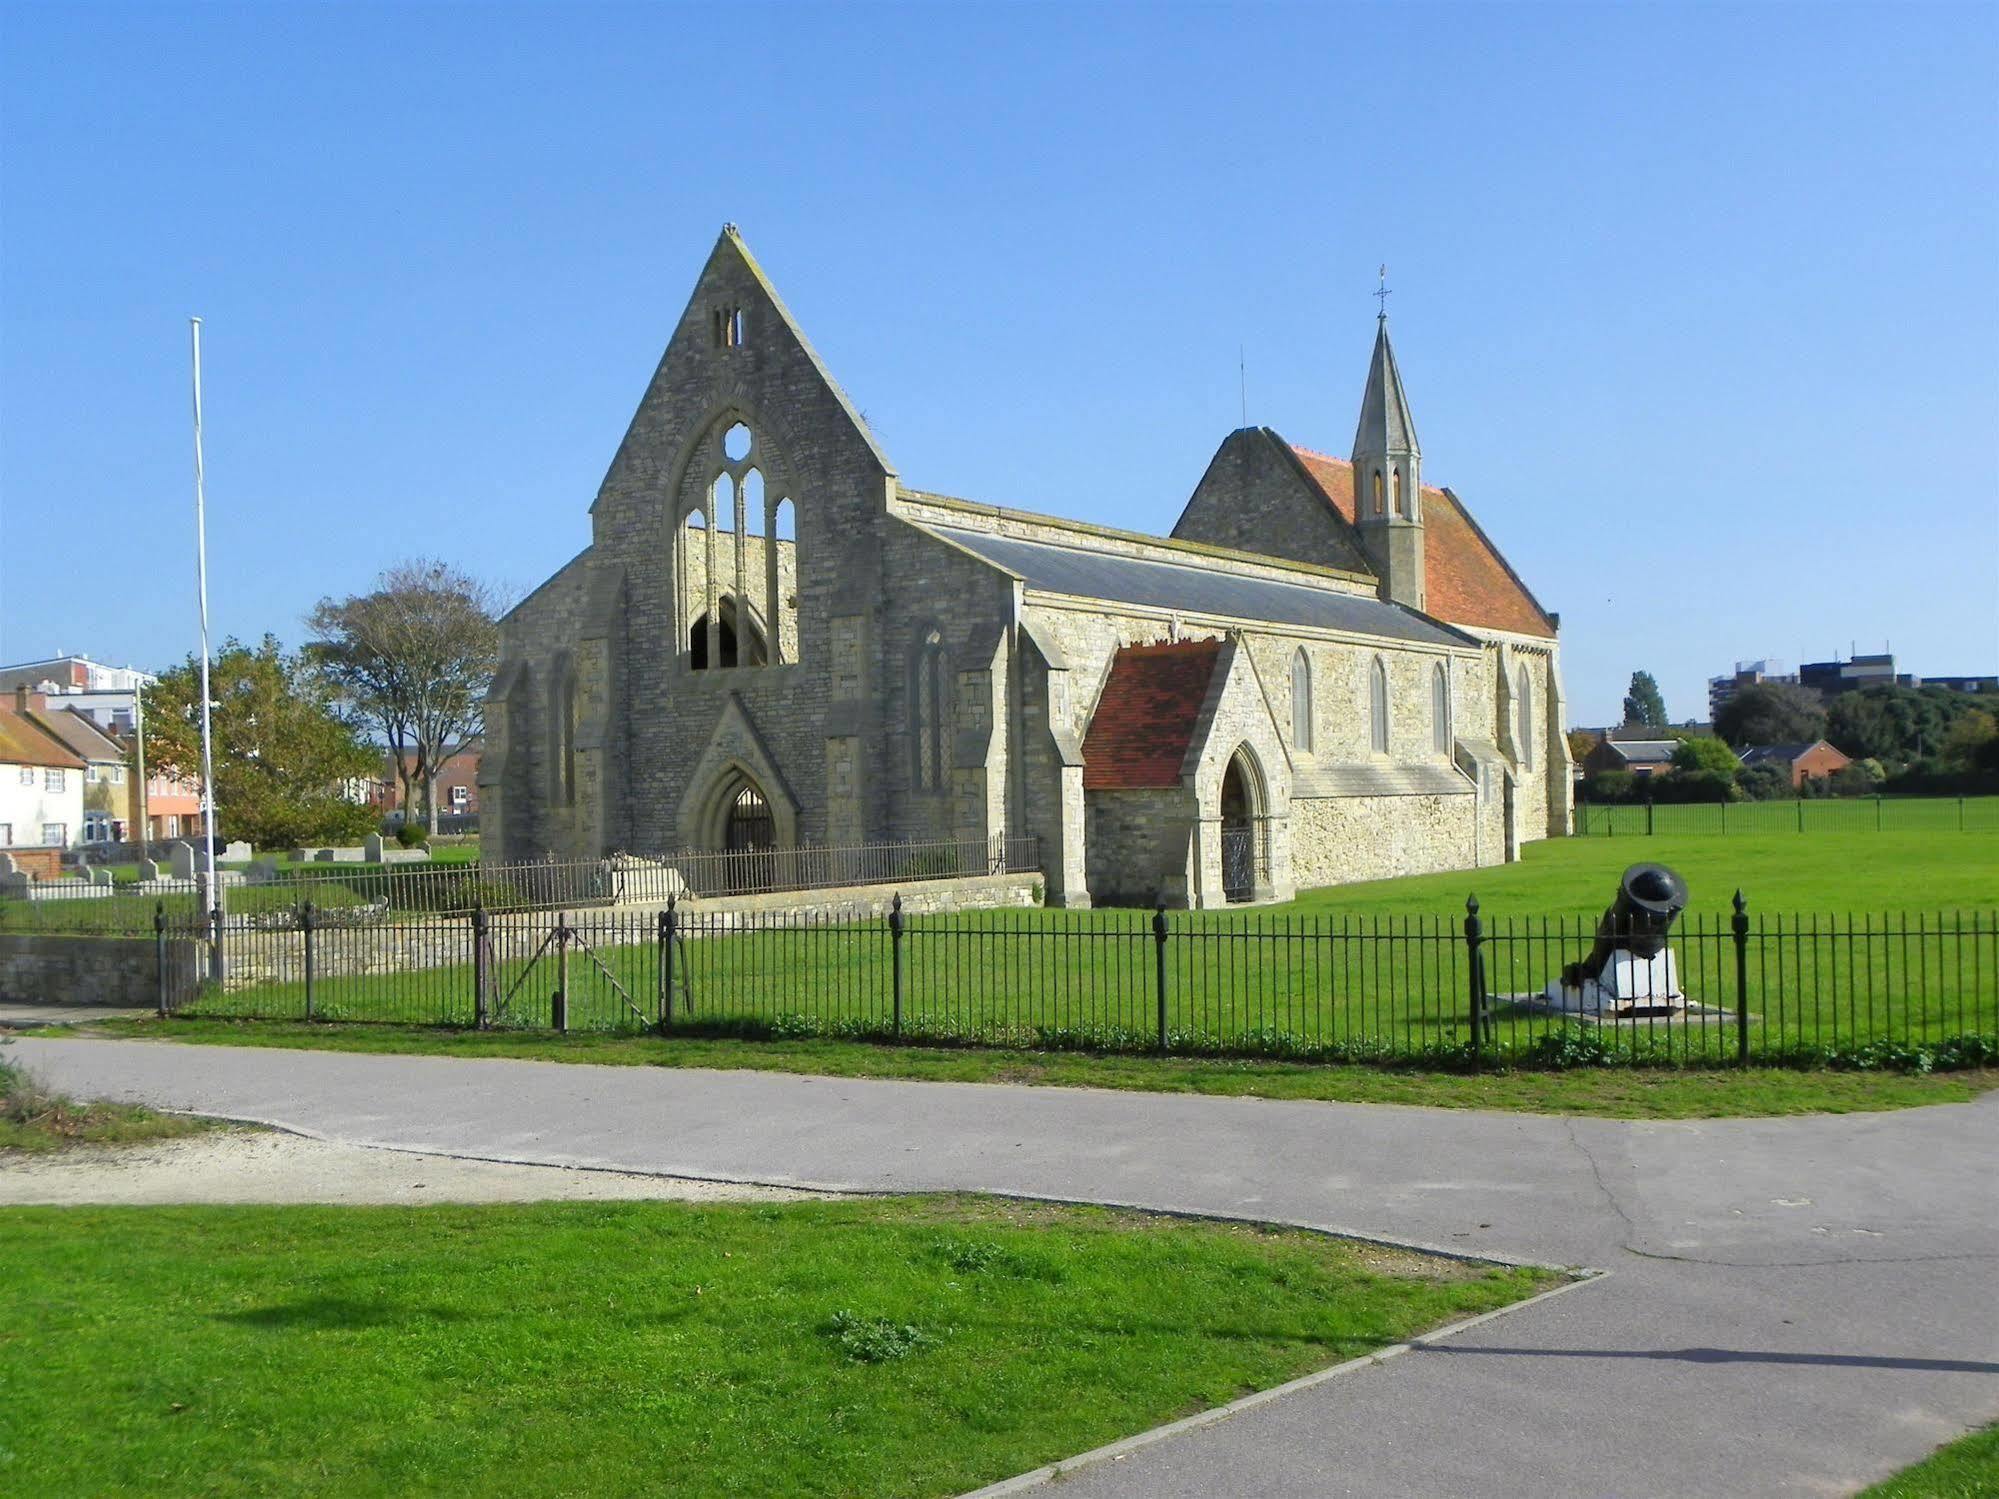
x: 1257, y: 497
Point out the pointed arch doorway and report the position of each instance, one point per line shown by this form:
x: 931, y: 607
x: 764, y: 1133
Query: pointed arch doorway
x: 749, y: 838
x: 1242, y: 819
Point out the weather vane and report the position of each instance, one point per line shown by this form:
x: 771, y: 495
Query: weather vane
x: 1383, y: 294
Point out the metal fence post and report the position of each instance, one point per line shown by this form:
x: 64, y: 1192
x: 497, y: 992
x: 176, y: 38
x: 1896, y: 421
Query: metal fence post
x: 558, y: 1010
x: 895, y: 926
x: 1801, y: 814
x: 1740, y: 923
x: 215, y: 960
x: 1475, y: 974
x: 1159, y: 966
x: 668, y: 919
x: 482, y: 977
x: 305, y: 926
x: 1648, y: 812
x: 160, y: 955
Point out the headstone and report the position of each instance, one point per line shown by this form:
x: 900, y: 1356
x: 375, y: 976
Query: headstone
x: 100, y: 876
x: 7, y: 864
x: 264, y: 871
x: 149, y: 870
x: 324, y: 856
x: 238, y: 852
x: 371, y: 848
x: 180, y: 858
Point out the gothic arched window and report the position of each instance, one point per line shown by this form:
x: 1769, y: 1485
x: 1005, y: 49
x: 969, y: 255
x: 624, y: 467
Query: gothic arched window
x: 1440, y: 709
x: 738, y: 574
x: 1524, y: 709
x: 1377, y: 706
x: 929, y: 703
x: 1396, y: 479
x: 1301, y: 701
x: 1377, y: 491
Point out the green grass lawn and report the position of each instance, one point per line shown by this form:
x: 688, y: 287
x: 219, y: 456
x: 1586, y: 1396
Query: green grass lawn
x: 1967, y: 1469
x: 1777, y: 872
x: 890, y: 1347
x: 1610, y: 1092
x: 34, y: 1119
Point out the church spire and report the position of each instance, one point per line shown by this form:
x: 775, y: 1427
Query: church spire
x: 1388, y: 472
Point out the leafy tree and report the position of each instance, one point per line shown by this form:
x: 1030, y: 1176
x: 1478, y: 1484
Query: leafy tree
x: 1703, y: 753
x: 1643, y: 704
x: 284, y: 756
x: 1894, y: 724
x: 1581, y: 742
x: 1771, y: 713
x: 413, y: 658
x: 1970, y: 742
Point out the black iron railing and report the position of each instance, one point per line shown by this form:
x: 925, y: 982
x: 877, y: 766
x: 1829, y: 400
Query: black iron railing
x: 1449, y: 989
x: 1858, y: 814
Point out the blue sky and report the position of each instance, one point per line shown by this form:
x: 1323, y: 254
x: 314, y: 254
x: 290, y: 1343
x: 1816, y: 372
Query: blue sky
x: 1697, y: 305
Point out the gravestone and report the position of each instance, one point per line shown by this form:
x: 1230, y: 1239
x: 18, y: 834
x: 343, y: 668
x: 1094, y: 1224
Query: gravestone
x: 100, y: 875
x: 149, y: 870
x: 371, y: 849
x: 180, y: 858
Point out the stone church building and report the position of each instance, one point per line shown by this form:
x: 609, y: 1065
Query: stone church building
x: 1326, y: 673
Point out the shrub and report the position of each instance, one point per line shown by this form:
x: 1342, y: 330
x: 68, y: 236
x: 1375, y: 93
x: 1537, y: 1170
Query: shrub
x: 1607, y: 786
x: 412, y: 835
x: 1695, y: 786
x: 1766, y: 782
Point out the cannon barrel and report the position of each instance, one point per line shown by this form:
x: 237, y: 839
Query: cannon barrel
x: 1650, y: 898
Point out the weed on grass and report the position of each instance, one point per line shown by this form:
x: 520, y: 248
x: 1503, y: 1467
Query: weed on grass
x: 33, y: 1117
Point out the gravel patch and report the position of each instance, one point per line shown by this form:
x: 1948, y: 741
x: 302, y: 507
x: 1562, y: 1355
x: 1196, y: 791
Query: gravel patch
x: 241, y: 1165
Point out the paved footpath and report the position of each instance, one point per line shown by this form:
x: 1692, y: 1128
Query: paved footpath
x: 1797, y: 1306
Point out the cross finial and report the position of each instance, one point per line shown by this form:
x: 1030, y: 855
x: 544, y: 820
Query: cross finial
x: 1382, y: 294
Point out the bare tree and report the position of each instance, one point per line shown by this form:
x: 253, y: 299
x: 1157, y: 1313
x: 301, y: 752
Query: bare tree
x: 413, y: 657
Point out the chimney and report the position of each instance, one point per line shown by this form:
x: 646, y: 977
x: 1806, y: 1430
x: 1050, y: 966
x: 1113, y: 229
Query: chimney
x: 28, y: 701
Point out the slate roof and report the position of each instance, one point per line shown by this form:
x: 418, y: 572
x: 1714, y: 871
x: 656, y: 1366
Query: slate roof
x: 1193, y: 588
x: 24, y: 742
x: 1466, y: 581
x: 1146, y: 715
x: 79, y: 734
x: 1783, y: 754
x: 1643, y: 751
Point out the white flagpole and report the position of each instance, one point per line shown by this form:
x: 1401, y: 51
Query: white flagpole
x: 212, y: 894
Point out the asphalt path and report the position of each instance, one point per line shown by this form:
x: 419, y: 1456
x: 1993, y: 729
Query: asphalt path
x: 1795, y: 1306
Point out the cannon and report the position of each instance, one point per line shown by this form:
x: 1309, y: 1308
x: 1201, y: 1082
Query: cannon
x: 1630, y: 971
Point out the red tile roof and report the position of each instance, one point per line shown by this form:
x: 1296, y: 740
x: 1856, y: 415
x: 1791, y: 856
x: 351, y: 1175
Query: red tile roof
x: 1145, y: 718
x: 1465, y: 580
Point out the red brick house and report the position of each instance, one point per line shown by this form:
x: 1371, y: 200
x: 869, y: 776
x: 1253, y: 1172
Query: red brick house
x: 1815, y: 759
x: 457, y: 784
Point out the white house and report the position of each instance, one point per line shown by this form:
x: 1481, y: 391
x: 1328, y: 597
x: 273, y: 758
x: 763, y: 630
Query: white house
x: 41, y: 786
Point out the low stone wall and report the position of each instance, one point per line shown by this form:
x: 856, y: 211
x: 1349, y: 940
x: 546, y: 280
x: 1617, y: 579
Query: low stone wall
x: 51, y: 969
x: 868, y: 902
x: 257, y: 957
